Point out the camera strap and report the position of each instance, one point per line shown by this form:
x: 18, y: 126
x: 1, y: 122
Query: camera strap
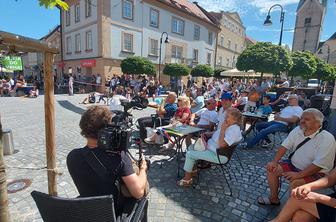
x: 98, y: 167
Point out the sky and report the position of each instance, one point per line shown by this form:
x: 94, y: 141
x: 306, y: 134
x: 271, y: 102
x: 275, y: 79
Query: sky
x: 26, y: 17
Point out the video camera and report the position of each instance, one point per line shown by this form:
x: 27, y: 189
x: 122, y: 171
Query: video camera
x: 116, y: 136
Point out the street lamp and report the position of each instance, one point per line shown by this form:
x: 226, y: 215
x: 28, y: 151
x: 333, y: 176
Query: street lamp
x: 268, y: 21
x: 161, y: 41
x: 320, y: 52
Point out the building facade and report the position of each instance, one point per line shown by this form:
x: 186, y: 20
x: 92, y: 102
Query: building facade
x: 98, y: 35
x: 327, y: 50
x: 309, y: 20
x: 53, y: 39
x: 231, y: 39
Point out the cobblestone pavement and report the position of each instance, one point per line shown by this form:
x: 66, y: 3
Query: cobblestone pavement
x: 207, y: 201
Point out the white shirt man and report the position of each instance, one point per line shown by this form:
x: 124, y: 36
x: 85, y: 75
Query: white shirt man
x: 98, y: 80
x: 289, y: 112
x: 319, y: 150
x: 207, y: 116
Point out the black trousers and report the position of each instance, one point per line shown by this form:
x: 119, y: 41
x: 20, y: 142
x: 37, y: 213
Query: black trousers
x: 149, y: 122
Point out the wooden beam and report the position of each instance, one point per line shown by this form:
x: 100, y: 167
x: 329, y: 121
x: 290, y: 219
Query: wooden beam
x: 49, y: 110
x: 4, y: 213
x: 25, y: 43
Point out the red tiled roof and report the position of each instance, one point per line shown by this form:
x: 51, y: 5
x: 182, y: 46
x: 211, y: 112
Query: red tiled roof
x: 250, y: 39
x: 189, y: 7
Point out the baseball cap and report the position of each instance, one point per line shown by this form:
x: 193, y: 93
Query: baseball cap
x: 293, y: 96
x: 210, y: 100
x: 226, y: 96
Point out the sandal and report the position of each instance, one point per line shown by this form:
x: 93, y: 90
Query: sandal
x: 184, y: 183
x: 267, y: 201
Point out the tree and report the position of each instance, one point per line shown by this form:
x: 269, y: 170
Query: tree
x: 202, y: 71
x: 176, y: 69
x: 264, y: 57
x: 137, y: 65
x: 304, y: 65
x: 217, y: 73
x: 52, y: 3
x: 324, y: 71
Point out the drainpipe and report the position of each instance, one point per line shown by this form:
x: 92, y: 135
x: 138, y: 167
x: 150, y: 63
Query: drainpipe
x: 61, y: 33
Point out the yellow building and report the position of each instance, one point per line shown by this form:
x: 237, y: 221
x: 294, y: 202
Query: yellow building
x: 230, y: 40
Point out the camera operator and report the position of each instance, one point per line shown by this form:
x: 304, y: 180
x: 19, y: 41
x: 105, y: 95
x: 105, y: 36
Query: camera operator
x: 95, y: 171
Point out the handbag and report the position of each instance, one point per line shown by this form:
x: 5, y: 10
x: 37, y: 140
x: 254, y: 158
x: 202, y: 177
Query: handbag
x: 200, y: 144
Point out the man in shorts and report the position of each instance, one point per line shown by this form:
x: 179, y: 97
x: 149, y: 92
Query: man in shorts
x: 312, y: 156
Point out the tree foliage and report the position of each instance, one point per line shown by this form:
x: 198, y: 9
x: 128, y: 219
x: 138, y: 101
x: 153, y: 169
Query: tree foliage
x: 217, y: 73
x: 52, y: 3
x: 304, y: 65
x: 176, y: 69
x: 264, y: 57
x: 137, y: 65
x: 324, y: 71
x: 202, y: 71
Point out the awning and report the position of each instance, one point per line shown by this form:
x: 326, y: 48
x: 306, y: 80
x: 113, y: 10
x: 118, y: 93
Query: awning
x: 249, y: 74
x: 88, y: 63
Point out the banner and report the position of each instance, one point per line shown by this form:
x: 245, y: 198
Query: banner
x: 12, y: 63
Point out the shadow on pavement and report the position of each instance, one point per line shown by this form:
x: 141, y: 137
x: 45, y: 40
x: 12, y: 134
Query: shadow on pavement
x: 68, y: 105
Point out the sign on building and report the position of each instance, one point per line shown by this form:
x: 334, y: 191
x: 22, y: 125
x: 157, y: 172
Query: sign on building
x: 12, y: 63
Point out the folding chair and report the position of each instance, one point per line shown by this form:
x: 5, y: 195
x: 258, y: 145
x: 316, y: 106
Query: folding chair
x: 57, y: 209
x: 224, y: 168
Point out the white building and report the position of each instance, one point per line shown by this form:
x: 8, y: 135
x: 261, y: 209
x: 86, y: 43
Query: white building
x: 97, y: 35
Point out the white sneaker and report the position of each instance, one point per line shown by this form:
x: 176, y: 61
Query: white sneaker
x: 266, y: 144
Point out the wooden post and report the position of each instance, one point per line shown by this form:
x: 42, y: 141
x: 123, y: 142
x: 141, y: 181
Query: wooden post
x: 49, y: 110
x: 4, y: 213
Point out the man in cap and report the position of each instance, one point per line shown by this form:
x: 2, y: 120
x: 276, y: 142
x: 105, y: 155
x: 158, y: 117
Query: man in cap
x: 207, y: 118
x: 288, y: 116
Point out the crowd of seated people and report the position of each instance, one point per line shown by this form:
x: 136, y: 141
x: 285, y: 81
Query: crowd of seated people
x: 219, y: 112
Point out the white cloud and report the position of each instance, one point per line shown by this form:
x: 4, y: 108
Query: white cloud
x: 243, y: 6
x: 266, y: 29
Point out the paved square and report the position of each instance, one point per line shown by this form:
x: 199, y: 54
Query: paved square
x: 206, y: 202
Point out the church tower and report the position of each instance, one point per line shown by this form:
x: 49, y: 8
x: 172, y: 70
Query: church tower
x: 309, y: 20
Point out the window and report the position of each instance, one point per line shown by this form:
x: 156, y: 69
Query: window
x: 197, y: 32
x: 178, y: 26
x: 227, y: 62
x: 210, y: 38
x: 307, y: 21
x: 77, y: 13
x: 177, y: 52
x: 229, y: 44
x: 153, y: 44
x: 68, y: 45
x: 127, y: 42
x: 67, y: 17
x: 195, y: 55
x: 220, y: 61
x: 77, y: 43
x: 127, y: 9
x: 222, y: 41
x: 88, y: 8
x: 236, y: 46
x: 154, y: 18
x: 209, y: 58
x: 88, y: 40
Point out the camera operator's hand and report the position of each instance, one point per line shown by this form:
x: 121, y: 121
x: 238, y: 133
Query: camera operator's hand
x: 143, y: 164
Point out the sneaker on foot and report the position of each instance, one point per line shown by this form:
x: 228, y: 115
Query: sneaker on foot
x: 266, y: 144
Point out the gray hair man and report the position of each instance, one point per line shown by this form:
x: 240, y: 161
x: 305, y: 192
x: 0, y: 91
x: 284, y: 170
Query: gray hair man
x: 312, y: 156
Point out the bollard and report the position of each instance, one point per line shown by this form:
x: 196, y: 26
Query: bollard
x: 7, y: 141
